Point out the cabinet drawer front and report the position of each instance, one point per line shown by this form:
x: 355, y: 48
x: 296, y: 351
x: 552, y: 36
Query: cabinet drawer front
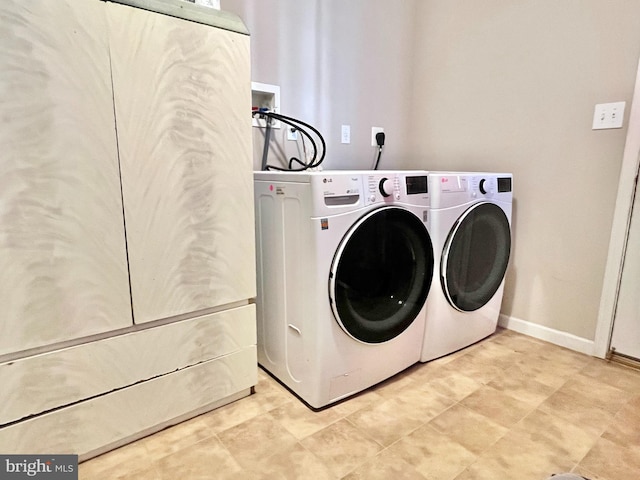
x: 99, y: 424
x: 44, y: 382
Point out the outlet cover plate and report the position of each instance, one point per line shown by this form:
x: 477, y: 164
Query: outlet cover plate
x: 375, y: 130
x: 608, y: 115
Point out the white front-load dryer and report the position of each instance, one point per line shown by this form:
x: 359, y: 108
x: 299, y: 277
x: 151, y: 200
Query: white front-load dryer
x: 470, y: 224
x: 345, y: 264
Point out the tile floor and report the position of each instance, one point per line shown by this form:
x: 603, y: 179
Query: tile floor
x: 509, y: 407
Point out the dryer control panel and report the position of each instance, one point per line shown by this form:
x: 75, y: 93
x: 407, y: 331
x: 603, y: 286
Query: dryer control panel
x: 490, y: 184
x: 401, y: 187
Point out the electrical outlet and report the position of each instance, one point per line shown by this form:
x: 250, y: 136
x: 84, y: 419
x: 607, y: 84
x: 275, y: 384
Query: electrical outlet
x: 608, y: 115
x: 292, y: 134
x: 346, y: 134
x: 375, y: 130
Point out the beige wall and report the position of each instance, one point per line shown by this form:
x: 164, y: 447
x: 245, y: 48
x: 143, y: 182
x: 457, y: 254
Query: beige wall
x: 337, y: 63
x: 465, y: 85
x: 512, y: 86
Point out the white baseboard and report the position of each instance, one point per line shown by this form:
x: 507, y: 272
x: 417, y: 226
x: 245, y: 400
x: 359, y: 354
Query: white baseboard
x: 557, y: 337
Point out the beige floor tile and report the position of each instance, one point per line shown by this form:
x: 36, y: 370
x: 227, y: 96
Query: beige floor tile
x: 256, y: 439
x: 480, y: 370
x: 433, y: 454
x: 579, y: 470
x: 201, y: 461
x: 519, y: 457
x: 150, y: 473
x: 120, y: 463
x: 357, y: 402
x: 556, y: 360
x: 385, y: 468
x: 472, y: 430
x: 564, y: 356
x: 497, y: 406
x: 515, y: 341
x: 176, y: 438
x: 453, y: 384
x: 542, y: 372
x: 424, y: 372
x: 293, y: 463
x: 341, y: 447
x: 634, y: 402
x: 565, y: 438
x: 613, y: 461
x: 578, y: 411
x: 390, y: 420
x: 602, y: 395
x: 389, y: 388
x: 301, y: 421
x: 495, y: 354
x: 268, y: 395
x: 483, y: 471
x: 522, y: 387
x: 423, y: 400
x: 618, y: 376
x: 624, y: 430
x: 386, y: 422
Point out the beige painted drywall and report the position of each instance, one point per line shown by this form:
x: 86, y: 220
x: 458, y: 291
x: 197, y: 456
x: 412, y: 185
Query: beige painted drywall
x: 337, y: 63
x: 468, y: 85
x: 512, y: 86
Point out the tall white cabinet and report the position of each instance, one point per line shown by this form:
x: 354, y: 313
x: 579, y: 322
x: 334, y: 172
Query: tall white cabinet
x: 184, y: 143
x: 63, y: 266
x: 127, y: 267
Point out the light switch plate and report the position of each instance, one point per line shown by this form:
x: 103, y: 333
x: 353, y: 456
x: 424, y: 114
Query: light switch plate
x: 608, y: 115
x: 346, y: 134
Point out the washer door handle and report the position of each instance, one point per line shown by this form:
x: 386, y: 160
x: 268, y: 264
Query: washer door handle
x: 297, y: 330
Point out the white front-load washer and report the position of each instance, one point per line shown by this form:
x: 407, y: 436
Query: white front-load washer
x: 470, y: 224
x: 345, y: 264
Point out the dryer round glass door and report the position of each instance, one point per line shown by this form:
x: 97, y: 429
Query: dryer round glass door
x: 381, y: 275
x: 475, y: 257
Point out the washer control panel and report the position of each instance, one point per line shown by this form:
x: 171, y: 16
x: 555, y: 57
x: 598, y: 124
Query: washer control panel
x: 339, y: 190
x: 452, y: 188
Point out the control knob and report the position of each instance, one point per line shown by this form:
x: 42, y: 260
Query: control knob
x: 385, y: 187
x: 483, y: 189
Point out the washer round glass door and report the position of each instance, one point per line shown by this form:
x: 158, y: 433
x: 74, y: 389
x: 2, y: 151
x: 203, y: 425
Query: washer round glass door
x: 475, y: 257
x: 381, y: 275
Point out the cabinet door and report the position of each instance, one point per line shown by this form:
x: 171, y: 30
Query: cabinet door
x: 183, y: 95
x: 63, y: 268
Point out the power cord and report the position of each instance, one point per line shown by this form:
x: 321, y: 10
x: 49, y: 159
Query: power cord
x: 380, y: 141
x: 300, y: 126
